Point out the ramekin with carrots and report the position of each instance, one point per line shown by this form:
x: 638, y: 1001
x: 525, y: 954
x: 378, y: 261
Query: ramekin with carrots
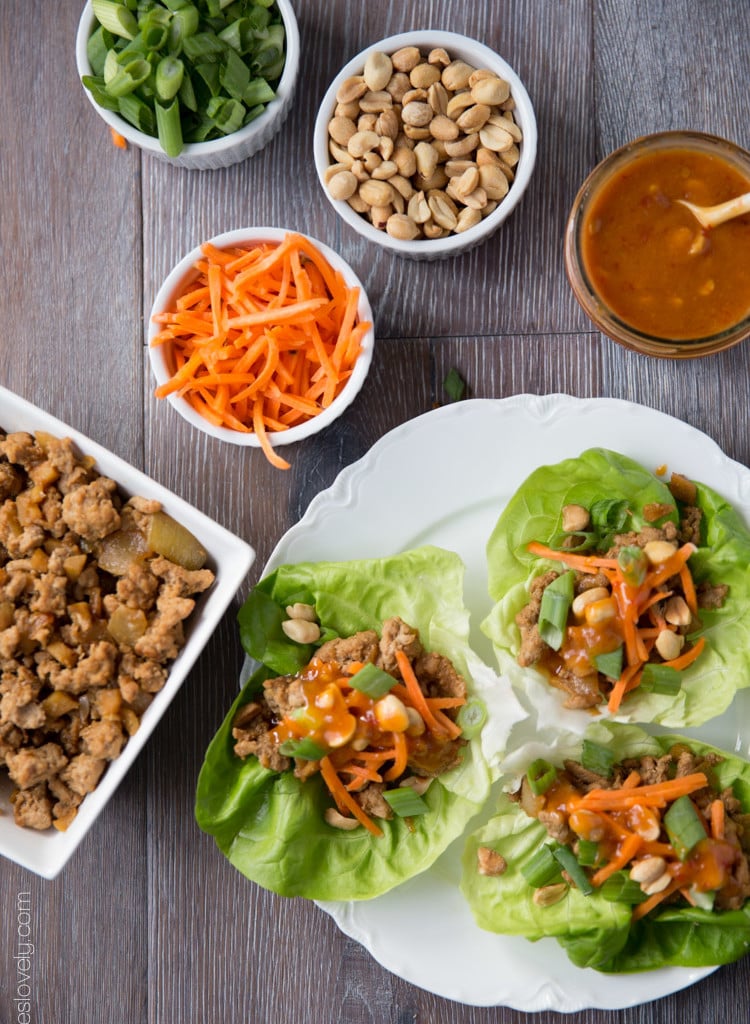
x: 261, y: 337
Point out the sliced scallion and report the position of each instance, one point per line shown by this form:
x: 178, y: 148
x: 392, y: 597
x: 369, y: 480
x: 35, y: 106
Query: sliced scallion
x: 115, y: 17
x: 620, y: 888
x: 541, y: 868
x: 588, y: 853
x: 596, y: 758
x: 170, y: 72
x: 372, y: 681
x: 128, y: 77
x: 405, y: 802
x: 304, y: 748
x: 471, y: 717
x: 540, y: 776
x: 454, y: 384
x: 553, y: 612
x: 568, y: 862
x: 609, y: 514
x: 137, y: 113
x: 633, y: 565
x: 169, y: 128
x: 658, y: 678
x: 684, y: 826
x: 610, y: 663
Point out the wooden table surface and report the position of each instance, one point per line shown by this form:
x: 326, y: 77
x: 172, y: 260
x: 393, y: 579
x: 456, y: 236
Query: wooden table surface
x: 148, y: 922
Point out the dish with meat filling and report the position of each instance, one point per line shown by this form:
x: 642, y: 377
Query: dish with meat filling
x: 634, y: 854
x: 624, y: 590
x: 352, y: 756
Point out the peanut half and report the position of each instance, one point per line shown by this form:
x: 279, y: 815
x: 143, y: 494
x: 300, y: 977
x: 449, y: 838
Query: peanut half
x: 423, y: 145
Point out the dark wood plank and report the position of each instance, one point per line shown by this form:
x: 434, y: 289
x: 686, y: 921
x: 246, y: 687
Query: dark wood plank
x: 149, y: 922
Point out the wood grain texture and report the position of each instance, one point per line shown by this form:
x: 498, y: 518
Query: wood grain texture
x: 149, y: 924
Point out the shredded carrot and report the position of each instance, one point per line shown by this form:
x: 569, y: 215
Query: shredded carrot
x: 401, y: 751
x: 627, y: 851
x: 689, y: 656
x: 119, y: 140
x: 648, y: 905
x: 582, y: 562
x: 655, y: 795
x: 717, y: 819
x: 344, y: 800
x: 261, y: 339
x: 435, y: 721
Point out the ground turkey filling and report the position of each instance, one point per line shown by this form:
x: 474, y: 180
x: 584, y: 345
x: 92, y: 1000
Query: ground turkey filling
x: 255, y: 727
x: 71, y: 692
x: 567, y: 829
x: 585, y: 689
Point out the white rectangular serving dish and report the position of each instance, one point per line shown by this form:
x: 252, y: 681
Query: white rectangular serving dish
x: 46, y: 853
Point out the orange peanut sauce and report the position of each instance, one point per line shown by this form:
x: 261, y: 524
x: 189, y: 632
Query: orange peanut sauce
x: 649, y: 260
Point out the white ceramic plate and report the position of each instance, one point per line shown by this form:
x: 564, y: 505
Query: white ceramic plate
x: 46, y: 853
x: 443, y: 478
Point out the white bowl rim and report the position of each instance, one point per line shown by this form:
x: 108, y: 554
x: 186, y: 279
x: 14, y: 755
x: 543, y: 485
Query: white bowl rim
x: 195, y: 149
x: 455, y: 44
x: 256, y: 235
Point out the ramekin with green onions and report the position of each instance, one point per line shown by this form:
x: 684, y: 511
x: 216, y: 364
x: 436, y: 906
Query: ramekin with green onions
x: 196, y: 82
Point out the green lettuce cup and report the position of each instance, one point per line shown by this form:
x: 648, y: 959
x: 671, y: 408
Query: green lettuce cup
x: 602, y: 929
x: 272, y: 825
x: 624, y: 498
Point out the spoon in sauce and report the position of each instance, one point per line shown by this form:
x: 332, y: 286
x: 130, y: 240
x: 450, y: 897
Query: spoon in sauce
x: 710, y: 216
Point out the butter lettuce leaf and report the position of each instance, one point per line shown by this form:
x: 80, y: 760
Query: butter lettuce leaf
x: 271, y: 825
x: 593, y: 931
x: 534, y: 513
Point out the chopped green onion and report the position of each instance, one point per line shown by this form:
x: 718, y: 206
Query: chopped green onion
x: 553, y: 612
x: 169, y: 75
x: 98, y: 90
x: 596, y: 758
x: 684, y: 826
x: 610, y: 663
x: 234, y: 75
x: 581, y: 540
x: 542, y: 867
x: 633, y: 564
x: 169, y: 128
x: 609, y: 514
x: 455, y: 385
x: 588, y: 853
x: 620, y: 888
x: 405, y: 802
x: 567, y: 860
x: 127, y: 78
x: 471, y: 717
x: 204, y: 47
x: 703, y: 900
x: 137, y: 113
x: 258, y: 91
x: 115, y: 17
x: 540, y: 776
x: 305, y: 748
x: 658, y: 678
x: 372, y: 681
x: 97, y: 47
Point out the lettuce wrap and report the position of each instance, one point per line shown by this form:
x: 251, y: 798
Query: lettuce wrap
x: 594, y: 930
x: 627, y: 498
x: 270, y: 824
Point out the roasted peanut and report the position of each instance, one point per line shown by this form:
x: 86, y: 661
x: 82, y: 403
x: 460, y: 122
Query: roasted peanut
x: 423, y: 146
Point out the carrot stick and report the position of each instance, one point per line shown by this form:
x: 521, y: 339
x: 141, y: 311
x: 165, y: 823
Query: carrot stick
x: 648, y: 905
x: 416, y: 697
x: 656, y: 794
x: 717, y: 819
x: 399, y: 765
x: 689, y: 656
x: 627, y: 851
x: 583, y: 562
x: 344, y: 800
